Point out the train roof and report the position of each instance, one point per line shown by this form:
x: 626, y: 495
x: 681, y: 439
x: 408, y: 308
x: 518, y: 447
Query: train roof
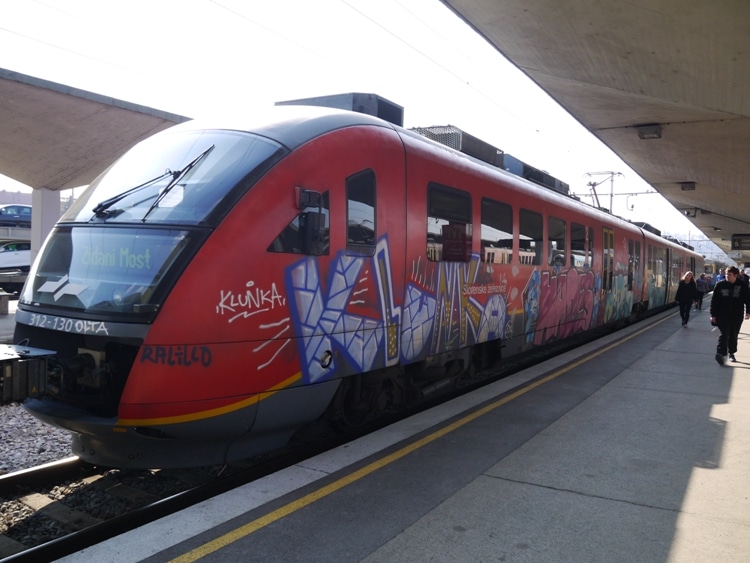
x: 545, y: 192
x: 292, y: 126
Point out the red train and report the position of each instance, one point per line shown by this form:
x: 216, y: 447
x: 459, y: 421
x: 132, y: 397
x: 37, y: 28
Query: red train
x: 220, y: 286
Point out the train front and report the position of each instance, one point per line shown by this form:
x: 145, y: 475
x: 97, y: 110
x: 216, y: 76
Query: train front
x: 96, y: 291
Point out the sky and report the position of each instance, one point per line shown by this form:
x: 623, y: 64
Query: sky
x: 213, y: 57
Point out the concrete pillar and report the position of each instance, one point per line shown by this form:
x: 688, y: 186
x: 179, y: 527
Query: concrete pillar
x: 45, y: 213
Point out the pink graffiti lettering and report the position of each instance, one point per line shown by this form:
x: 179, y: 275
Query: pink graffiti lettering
x: 566, y: 304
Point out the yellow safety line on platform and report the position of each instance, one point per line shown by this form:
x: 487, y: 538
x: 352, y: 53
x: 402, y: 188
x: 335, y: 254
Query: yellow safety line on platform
x: 286, y: 510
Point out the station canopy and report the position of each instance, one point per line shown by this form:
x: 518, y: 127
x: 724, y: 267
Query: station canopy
x: 665, y: 85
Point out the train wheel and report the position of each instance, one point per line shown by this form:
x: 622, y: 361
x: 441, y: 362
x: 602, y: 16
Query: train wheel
x: 352, y: 412
x: 363, y: 398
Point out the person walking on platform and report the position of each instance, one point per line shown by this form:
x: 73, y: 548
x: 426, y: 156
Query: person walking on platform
x: 685, y: 296
x: 701, y: 286
x: 730, y: 301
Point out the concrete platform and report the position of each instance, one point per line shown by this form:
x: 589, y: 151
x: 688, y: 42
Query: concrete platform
x: 633, y: 448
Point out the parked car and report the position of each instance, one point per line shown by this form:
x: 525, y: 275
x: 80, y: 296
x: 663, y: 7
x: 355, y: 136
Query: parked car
x: 15, y: 215
x: 15, y: 255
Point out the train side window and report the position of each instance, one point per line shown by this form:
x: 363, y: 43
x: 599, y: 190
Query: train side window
x: 497, y: 232
x: 581, y: 246
x: 307, y: 233
x: 360, y: 213
x: 556, y: 240
x: 531, y: 237
x: 449, y: 227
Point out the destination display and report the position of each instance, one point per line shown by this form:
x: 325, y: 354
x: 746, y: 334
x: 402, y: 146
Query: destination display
x: 741, y: 242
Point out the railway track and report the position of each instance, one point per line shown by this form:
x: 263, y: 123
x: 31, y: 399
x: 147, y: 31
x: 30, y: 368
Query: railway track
x: 57, y: 509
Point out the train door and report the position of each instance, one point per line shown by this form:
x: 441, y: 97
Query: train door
x: 662, y: 259
x: 672, y: 260
x: 678, y: 269
x: 616, y: 287
x: 555, y: 314
x: 634, y: 281
x: 370, y: 268
x: 608, y: 258
x: 343, y: 277
x: 608, y: 266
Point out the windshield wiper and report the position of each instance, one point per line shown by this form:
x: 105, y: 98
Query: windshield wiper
x: 102, y: 206
x: 176, y: 178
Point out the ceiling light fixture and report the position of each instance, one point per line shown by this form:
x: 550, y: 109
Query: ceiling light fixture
x: 649, y: 131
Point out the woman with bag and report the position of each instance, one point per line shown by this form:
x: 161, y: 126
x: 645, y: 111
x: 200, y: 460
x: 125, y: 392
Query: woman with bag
x: 685, y: 296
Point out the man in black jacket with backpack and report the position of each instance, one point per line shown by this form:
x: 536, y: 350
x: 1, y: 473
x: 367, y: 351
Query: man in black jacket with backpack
x: 729, y: 304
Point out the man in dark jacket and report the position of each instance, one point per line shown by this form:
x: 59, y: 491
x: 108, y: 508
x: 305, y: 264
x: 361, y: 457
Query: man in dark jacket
x: 730, y: 302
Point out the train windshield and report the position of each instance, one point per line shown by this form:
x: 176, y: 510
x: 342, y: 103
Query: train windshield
x: 175, y: 177
x: 106, y: 270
